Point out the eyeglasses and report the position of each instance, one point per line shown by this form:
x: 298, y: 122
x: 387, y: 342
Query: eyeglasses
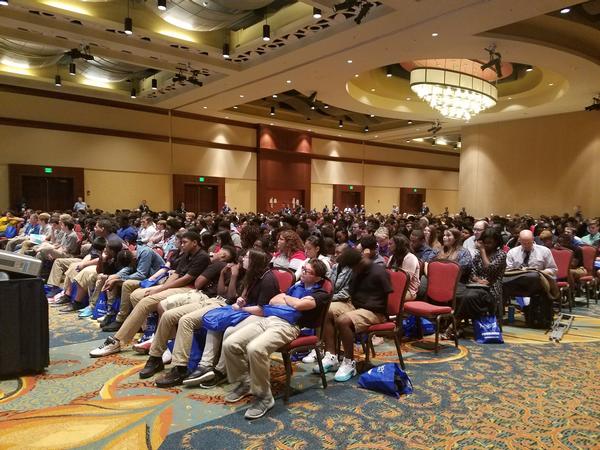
x: 307, y: 272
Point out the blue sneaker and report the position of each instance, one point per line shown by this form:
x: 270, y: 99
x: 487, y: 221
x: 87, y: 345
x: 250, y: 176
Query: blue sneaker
x: 86, y: 312
x: 346, y: 371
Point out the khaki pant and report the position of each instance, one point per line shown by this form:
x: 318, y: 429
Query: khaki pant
x: 51, y: 253
x: 12, y: 243
x: 361, y: 318
x: 86, y: 278
x: 59, y: 268
x: 247, y: 351
x: 214, y: 339
x: 186, y: 319
x: 142, y: 306
x: 128, y: 287
x: 70, y: 275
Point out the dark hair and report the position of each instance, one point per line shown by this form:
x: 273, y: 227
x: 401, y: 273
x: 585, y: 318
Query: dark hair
x: 249, y: 235
x: 258, y: 263
x: 115, y: 246
x: 402, y: 249
x: 99, y: 243
x: 124, y: 259
x: 492, y: 233
x: 418, y: 234
x: 105, y: 224
x: 349, y: 257
x: 369, y: 242
x: 232, y: 252
x: 315, y: 241
x: 192, y: 236
x: 225, y: 238
x: 319, y: 267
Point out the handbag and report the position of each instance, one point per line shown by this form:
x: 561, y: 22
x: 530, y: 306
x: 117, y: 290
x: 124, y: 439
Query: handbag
x: 285, y: 312
x: 487, y: 330
x: 219, y: 319
x: 388, y: 379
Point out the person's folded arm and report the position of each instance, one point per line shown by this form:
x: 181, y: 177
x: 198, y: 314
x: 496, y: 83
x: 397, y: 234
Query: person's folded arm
x: 300, y: 304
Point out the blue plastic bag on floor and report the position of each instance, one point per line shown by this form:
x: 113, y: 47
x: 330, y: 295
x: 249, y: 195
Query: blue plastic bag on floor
x: 219, y: 319
x: 412, y: 330
x: 197, y: 349
x: 487, y: 330
x: 101, y: 307
x: 151, y: 324
x: 388, y: 378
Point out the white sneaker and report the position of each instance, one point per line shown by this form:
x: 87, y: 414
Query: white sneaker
x: 377, y: 340
x: 109, y: 347
x: 167, y: 357
x: 310, y: 358
x: 330, y: 363
x: 346, y: 371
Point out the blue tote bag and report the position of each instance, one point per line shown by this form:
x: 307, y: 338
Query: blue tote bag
x: 388, y: 379
x: 487, y: 330
x: 219, y: 319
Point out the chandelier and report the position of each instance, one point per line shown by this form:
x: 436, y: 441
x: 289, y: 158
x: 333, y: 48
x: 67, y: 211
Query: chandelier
x: 454, y: 94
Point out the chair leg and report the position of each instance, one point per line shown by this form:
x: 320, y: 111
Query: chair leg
x: 319, y: 353
x: 368, y: 351
x: 437, y: 333
x: 399, y: 350
x: 455, y: 331
x: 287, y: 362
x: 370, y: 344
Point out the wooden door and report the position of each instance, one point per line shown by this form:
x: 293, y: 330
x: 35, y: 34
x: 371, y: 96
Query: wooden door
x: 48, y: 193
x: 349, y: 199
x: 200, y: 198
x: 411, y: 200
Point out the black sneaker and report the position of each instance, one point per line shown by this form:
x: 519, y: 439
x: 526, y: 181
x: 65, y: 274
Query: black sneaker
x: 199, y: 375
x: 217, y: 379
x: 107, y: 320
x: 71, y: 307
x: 113, y: 326
x: 63, y: 300
x: 153, y: 366
x: 173, y: 377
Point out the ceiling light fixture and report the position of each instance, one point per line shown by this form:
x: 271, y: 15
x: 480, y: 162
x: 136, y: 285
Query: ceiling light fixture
x: 241, y: 95
x: 434, y: 34
x: 235, y: 107
x: 274, y: 96
x: 317, y: 13
x: 388, y: 72
x: 325, y: 106
x: 162, y: 5
x: 72, y: 69
x: 128, y: 26
x: 410, y: 122
x: 266, y: 32
x: 371, y: 115
x: 565, y: 10
x: 456, y: 95
x: 272, y: 112
x: 288, y: 81
x: 226, y: 51
x: 366, y: 128
x: 349, y: 61
x: 133, y: 93
x: 528, y: 69
x: 57, y: 81
x: 3, y: 2
x: 154, y: 84
x: 341, y: 124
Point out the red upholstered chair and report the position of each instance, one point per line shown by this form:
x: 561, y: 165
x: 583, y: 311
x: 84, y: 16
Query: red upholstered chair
x: 307, y: 344
x: 285, y: 278
x: 443, y: 276
x: 563, y: 258
x: 392, y: 327
x: 589, y: 281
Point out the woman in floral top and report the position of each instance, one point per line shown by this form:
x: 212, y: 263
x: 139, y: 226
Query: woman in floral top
x: 488, y: 268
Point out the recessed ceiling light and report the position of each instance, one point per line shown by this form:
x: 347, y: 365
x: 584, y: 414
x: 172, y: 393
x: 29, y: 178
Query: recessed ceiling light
x: 565, y: 10
x: 407, y: 141
x: 434, y: 34
x: 227, y: 117
x: 410, y: 122
x: 235, y: 107
x: 288, y: 81
x: 274, y: 95
x: 317, y: 13
x: 372, y: 89
x: 339, y: 135
x: 349, y: 61
x: 355, y: 75
x: 550, y: 84
x: 162, y: 5
x: 371, y: 115
x: 271, y: 124
x: 325, y: 106
x: 529, y: 69
x: 510, y: 98
x: 309, y: 129
x: 205, y: 107
x: 376, y: 135
x: 408, y: 99
x: 241, y: 95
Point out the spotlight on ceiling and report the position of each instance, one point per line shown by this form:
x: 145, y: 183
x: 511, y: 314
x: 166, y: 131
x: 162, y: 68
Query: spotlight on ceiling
x: 84, y: 53
x: 226, y: 51
x: 565, y: 10
x: 128, y: 26
x: 595, y: 106
x: 272, y: 112
x: 341, y: 124
x: 162, y: 5
x: 388, y: 72
x: 133, y: 93
x: 528, y: 69
x: 154, y: 84
x: 57, y: 81
x: 72, y: 69
x: 366, y: 128
x: 313, y: 107
x: 317, y: 13
x: 435, y: 127
x: 495, y: 60
x: 266, y: 32
x: 3, y: 2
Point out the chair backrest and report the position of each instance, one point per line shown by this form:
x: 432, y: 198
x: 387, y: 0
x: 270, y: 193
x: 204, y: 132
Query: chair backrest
x: 320, y: 322
x: 562, y: 258
x: 589, y: 255
x: 442, y: 279
x: 285, y: 278
x: 399, y: 280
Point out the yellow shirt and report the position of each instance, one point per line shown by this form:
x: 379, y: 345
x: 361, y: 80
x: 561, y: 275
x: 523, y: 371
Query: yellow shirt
x: 5, y: 222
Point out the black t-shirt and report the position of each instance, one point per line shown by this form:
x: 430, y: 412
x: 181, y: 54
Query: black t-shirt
x: 263, y: 290
x: 310, y: 318
x: 212, y: 273
x: 193, y: 265
x: 370, y: 288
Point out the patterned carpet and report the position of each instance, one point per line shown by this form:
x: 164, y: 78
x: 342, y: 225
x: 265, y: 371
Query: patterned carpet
x: 528, y: 393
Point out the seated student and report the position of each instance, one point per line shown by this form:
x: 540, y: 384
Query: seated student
x: 289, y: 254
x: 431, y: 237
x: 65, y: 248
x: 403, y: 259
x: 383, y: 241
x: 33, y: 226
x: 488, y: 269
x: 313, y: 248
x: 369, y: 290
x: 184, y: 313
x: 368, y: 247
x: 159, y: 234
x: 126, y: 231
x: 593, y: 238
x: 419, y: 248
x: 147, y: 229
x: 259, y: 286
x: 137, y: 264
x: 453, y: 251
x: 247, y: 351
x: 577, y: 270
x: 85, y: 279
x: 193, y: 262
x: 9, y: 219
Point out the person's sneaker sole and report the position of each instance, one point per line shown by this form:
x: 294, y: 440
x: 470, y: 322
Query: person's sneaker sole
x: 326, y: 368
x: 229, y: 399
x: 258, y: 416
x: 201, y: 379
x: 346, y: 377
x: 104, y: 354
x: 211, y: 383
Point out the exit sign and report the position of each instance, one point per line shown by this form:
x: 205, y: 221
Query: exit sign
x: 414, y: 189
x: 48, y: 170
x: 351, y: 187
x: 201, y: 179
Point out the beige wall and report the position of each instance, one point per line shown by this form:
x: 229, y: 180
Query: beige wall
x: 381, y: 199
x: 545, y: 165
x: 438, y: 199
x: 241, y: 194
x: 213, y: 162
x: 125, y: 190
x: 321, y: 195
